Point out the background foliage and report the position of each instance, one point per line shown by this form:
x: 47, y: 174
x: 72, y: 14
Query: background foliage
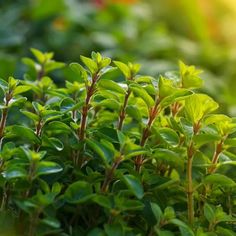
x: 154, y: 33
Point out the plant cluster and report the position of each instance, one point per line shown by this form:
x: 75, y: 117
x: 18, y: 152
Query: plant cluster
x: 114, y: 155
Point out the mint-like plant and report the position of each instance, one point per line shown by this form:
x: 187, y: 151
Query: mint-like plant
x: 114, y: 152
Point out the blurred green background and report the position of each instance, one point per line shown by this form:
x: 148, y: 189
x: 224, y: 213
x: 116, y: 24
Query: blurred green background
x: 155, y: 33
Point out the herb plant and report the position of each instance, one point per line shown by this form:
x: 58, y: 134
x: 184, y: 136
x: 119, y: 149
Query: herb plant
x: 114, y: 153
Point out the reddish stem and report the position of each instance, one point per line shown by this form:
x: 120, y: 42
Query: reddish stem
x: 123, y: 110
x: 85, y: 109
x: 41, y: 72
x: 8, y: 97
x: 109, y: 174
x: 216, y: 155
x: 175, y: 108
x: 190, y: 200
x: 190, y: 190
x: 146, y: 133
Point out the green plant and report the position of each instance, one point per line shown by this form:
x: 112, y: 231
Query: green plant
x: 114, y: 155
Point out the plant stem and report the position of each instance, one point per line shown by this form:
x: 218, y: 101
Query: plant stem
x: 146, y: 133
x: 81, y: 132
x: 175, y: 108
x: 33, y: 223
x: 41, y: 72
x: 109, y: 174
x: 4, y: 198
x: 215, y: 158
x: 8, y: 97
x: 73, y: 115
x: 38, y: 132
x: 190, y: 190
x: 190, y: 200
x: 39, y: 128
x: 85, y: 109
x: 123, y: 110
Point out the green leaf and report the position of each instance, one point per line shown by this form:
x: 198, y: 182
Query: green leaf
x: 32, y: 155
x: 18, y: 101
x: 59, y: 127
x: 122, y: 138
x: 144, y: 79
x: 209, y: 213
x: 52, y: 142
x: 167, y: 184
x: 134, y: 68
x: 164, y: 233
x: 224, y: 231
x: 165, y: 87
x: 189, y: 76
x: 169, y: 213
x: 3, y: 84
x: 114, y: 229
x: 56, y: 188
x: 129, y: 205
x: 217, y: 118
x: 103, y: 201
x: 78, y: 69
x: 46, y: 83
x: 188, y: 231
x: 123, y: 68
x: 49, y: 115
x: 135, y: 152
x: 90, y: 64
x: 109, y: 104
x: 157, y: 212
x: 111, y: 85
x: 102, y: 149
x: 134, y: 112
x: 134, y: 185
x: 48, y: 167
x: 52, y: 222
x: 21, y: 89
x: 12, y: 83
x: 78, y: 192
x: 110, y: 134
x: 38, y: 107
x: 96, y: 232
x: 105, y: 62
x: 96, y: 56
x: 199, y: 105
x: 230, y: 142
x: 29, y: 62
x: 53, y: 65
x: 141, y: 93
x: 202, y: 139
x: 169, y: 136
x: 30, y: 115
x: 14, y: 172
x: 39, y: 55
x: 168, y: 157
x: 176, y: 96
x: 29, y: 135
x: 218, y: 179
x: 223, y: 123
x: 67, y: 104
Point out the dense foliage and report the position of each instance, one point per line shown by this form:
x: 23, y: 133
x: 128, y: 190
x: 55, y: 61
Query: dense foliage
x: 114, y: 153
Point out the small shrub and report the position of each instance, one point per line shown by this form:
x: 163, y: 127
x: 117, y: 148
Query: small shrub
x: 114, y: 153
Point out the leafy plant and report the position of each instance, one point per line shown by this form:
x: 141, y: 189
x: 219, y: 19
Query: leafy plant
x: 114, y: 155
